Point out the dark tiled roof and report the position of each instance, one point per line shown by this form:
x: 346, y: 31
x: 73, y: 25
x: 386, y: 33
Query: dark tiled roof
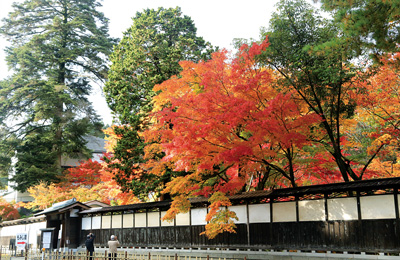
x: 298, y: 191
x: 23, y: 221
x: 62, y: 206
x: 96, y: 144
x: 148, y: 205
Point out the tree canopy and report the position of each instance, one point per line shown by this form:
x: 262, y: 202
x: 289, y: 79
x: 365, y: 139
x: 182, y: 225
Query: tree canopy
x: 147, y: 55
x: 57, y: 49
x: 368, y: 24
x: 314, y: 61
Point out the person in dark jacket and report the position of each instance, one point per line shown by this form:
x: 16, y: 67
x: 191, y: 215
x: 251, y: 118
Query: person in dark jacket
x: 89, y: 245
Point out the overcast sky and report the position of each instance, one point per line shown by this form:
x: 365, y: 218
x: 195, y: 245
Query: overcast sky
x: 217, y: 21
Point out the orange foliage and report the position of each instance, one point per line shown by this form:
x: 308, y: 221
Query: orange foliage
x: 226, y: 113
x: 222, y: 121
x: 219, y: 217
x: 378, y: 98
x: 93, y: 182
x: 8, y: 211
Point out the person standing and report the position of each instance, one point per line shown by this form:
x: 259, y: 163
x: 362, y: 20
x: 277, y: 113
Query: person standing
x: 89, y: 245
x: 113, y: 244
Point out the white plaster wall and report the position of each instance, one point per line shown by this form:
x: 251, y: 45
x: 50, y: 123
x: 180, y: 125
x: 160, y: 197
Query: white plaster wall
x: 342, y: 209
x: 377, y: 207
x: 284, y: 211
x: 105, y: 222
x: 183, y: 219
x: 153, y: 219
x: 140, y: 220
x: 86, y: 223
x: 116, y: 221
x: 96, y: 222
x: 165, y: 223
x: 12, y: 230
x: 128, y: 221
x: 259, y: 213
x: 312, y: 210
x: 34, y: 231
x: 198, y: 216
x: 241, y: 213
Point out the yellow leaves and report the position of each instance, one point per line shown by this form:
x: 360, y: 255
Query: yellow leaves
x: 152, y: 149
x: 378, y: 143
x: 180, y: 204
x: 386, y: 169
x: 45, y: 195
x: 217, y: 200
x: 178, y: 185
x: 111, y: 139
x: 219, y: 218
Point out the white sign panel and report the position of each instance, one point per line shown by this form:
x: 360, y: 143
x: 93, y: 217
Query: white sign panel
x: 21, y: 240
x: 46, y: 239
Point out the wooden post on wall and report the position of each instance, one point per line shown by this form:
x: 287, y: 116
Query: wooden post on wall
x: 296, y: 198
x: 396, y: 210
x: 159, y: 226
x: 326, y: 206
x: 248, y: 223
x: 359, y: 206
x: 271, y: 213
x: 396, y: 202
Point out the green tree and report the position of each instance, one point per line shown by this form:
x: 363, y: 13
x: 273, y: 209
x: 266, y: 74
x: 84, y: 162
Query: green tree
x: 371, y: 24
x: 313, y: 59
x: 57, y: 49
x: 148, y: 54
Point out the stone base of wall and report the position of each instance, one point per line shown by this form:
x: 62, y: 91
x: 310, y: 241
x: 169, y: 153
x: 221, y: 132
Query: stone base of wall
x: 252, y: 254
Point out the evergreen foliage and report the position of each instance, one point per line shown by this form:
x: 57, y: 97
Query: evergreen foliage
x: 57, y: 48
x: 148, y: 54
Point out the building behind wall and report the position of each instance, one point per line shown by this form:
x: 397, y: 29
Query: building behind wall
x: 95, y: 144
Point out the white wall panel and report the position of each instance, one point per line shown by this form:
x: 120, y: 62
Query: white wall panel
x: 259, y: 213
x: 34, y: 231
x: 165, y: 223
x: 183, y: 219
x: 153, y: 219
x: 127, y: 220
x: 312, y: 210
x: 284, y: 211
x: 377, y: 207
x: 241, y: 213
x: 140, y: 220
x: 198, y: 216
x: 12, y: 230
x: 116, y: 221
x: 105, y: 222
x: 86, y: 223
x: 96, y: 222
x: 342, y: 209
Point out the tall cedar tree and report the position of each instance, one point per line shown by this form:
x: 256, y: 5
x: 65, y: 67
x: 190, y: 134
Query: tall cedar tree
x: 147, y: 55
x: 308, y: 52
x: 57, y: 47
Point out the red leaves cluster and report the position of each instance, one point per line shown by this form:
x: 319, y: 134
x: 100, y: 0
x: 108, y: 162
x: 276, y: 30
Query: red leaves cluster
x: 227, y: 112
x: 86, y: 174
x: 222, y: 121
